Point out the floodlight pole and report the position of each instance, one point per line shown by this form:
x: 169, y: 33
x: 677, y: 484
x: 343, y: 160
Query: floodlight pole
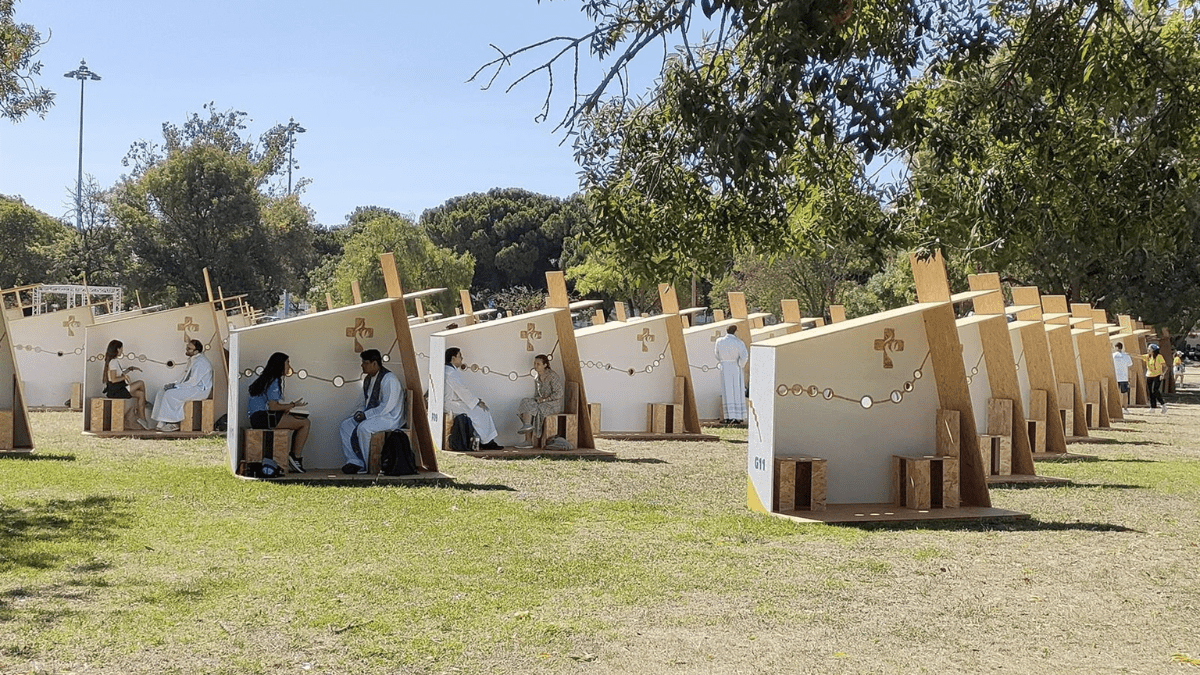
x: 83, y: 74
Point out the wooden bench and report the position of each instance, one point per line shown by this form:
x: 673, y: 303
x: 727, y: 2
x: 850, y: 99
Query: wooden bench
x: 76, y: 402
x: 7, y: 437
x: 276, y: 443
x: 925, y: 482
x: 594, y: 417
x: 931, y: 481
x: 108, y: 414
x: 799, y: 485
x: 667, y: 418
x: 375, y: 450
x: 197, y: 416
x: 1037, y: 420
x: 565, y: 423
x: 995, y: 447
x: 1066, y: 407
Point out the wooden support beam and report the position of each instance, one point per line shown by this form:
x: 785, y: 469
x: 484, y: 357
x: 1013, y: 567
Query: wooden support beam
x: 356, y: 292
x: 837, y: 313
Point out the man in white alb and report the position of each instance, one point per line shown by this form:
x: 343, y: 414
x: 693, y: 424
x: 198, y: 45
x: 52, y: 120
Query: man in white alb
x: 1122, y: 362
x: 194, y: 385
x: 732, y: 356
x: 382, y: 409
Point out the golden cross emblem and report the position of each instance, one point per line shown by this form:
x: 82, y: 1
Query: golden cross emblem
x: 187, y: 325
x: 529, y: 334
x: 71, y: 324
x: 645, y: 338
x: 715, y: 336
x: 889, y: 343
x: 359, y: 329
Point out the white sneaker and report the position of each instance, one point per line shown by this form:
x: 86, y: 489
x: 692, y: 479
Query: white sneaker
x: 143, y: 423
x: 525, y: 429
x: 168, y: 426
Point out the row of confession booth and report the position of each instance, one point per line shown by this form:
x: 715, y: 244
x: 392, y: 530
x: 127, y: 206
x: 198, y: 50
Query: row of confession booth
x: 902, y: 415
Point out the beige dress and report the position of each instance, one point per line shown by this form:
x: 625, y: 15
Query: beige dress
x: 550, y: 391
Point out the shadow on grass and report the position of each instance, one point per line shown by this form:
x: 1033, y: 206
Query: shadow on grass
x: 30, y: 457
x: 1081, y: 459
x: 578, y: 458
x: 34, y: 532
x: 1068, y: 484
x: 476, y: 487
x: 1024, y: 525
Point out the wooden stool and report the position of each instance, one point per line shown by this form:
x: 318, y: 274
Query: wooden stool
x: 76, y: 396
x: 594, y: 417
x: 1066, y: 407
x: 799, y: 484
x: 375, y: 452
x: 928, y: 482
x: 565, y: 423
x: 995, y: 447
x: 108, y: 414
x: 1037, y: 420
x: 277, y: 441
x: 7, y: 439
x: 197, y: 416
x: 665, y: 418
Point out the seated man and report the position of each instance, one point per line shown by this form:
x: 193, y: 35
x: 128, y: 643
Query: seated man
x: 460, y: 401
x: 382, y: 409
x: 194, y: 385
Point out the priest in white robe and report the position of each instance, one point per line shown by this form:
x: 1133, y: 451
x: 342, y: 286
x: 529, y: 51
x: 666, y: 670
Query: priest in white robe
x: 732, y: 356
x: 381, y: 408
x: 194, y: 385
x: 460, y: 401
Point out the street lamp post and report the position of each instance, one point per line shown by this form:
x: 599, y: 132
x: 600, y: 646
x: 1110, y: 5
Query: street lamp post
x: 83, y: 74
x: 292, y: 127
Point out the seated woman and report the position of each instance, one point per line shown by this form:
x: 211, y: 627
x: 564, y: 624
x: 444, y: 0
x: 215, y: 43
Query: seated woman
x: 460, y: 401
x: 547, y: 400
x: 118, y: 385
x: 268, y: 411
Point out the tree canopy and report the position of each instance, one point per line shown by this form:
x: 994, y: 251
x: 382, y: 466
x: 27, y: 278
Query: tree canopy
x: 515, y: 236
x: 20, y: 94
x: 422, y: 264
x: 1076, y: 169
x: 34, y: 244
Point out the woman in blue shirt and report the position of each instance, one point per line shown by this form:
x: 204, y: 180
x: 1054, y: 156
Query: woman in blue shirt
x: 268, y: 411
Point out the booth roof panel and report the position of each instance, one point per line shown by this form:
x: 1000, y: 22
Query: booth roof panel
x: 977, y: 319
x: 773, y: 328
x: 609, y: 326
x: 349, y: 309
x: 709, y: 326
x: 1021, y: 324
x: 848, y: 325
x: 1013, y: 309
x: 970, y: 295
x: 516, y: 318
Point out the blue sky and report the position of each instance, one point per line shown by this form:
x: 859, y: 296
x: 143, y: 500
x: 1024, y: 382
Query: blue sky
x: 379, y: 86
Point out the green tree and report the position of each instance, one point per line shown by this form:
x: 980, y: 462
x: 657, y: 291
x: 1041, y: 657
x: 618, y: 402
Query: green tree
x: 1072, y: 166
x: 35, y: 245
x: 199, y: 208
x: 750, y: 103
x: 422, y: 263
x: 19, y: 44
x: 515, y: 236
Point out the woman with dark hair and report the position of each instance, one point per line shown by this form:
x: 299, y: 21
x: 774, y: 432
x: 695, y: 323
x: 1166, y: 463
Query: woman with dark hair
x: 118, y: 385
x: 268, y: 411
x: 1156, y: 367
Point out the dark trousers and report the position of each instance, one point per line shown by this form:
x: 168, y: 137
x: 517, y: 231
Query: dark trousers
x: 1154, y: 385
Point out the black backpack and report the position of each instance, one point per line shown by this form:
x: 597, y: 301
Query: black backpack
x: 397, y: 456
x: 462, y: 435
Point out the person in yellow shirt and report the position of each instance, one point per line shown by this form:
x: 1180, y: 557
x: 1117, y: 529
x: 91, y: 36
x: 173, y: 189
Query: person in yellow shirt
x: 1179, y: 370
x: 1156, y: 366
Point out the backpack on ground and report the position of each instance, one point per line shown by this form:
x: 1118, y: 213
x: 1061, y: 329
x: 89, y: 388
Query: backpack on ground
x: 462, y: 435
x: 397, y: 456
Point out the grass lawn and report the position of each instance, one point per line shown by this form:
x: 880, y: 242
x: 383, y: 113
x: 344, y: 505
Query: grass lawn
x: 126, y: 556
